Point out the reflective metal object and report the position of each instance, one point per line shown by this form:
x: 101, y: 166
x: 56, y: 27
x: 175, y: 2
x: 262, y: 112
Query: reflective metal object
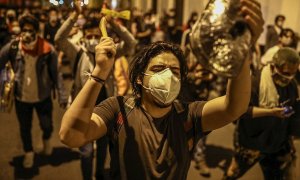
x: 7, y: 78
x: 221, y: 39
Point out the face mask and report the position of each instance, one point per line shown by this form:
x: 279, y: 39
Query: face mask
x: 286, y: 41
x: 91, y: 44
x: 171, y: 22
x: 31, y: 45
x: 164, y: 86
x: 53, y: 19
x: 281, y: 79
x: 16, y: 30
x: 80, y: 22
x: 280, y: 23
x: 28, y: 40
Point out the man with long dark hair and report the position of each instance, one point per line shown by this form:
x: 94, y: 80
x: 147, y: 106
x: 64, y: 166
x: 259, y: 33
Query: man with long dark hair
x: 151, y: 133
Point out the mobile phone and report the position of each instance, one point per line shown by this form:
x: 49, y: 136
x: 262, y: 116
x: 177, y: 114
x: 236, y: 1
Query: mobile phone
x: 288, y: 109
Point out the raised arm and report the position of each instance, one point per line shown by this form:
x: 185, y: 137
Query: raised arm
x: 223, y: 110
x: 128, y: 43
x: 78, y: 126
x: 61, y: 37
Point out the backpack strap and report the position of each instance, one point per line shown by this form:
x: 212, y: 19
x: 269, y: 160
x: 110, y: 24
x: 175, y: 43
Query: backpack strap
x: 178, y: 106
x: 126, y: 106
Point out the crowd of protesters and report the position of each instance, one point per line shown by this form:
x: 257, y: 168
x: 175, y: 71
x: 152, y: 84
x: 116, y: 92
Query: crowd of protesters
x: 50, y: 38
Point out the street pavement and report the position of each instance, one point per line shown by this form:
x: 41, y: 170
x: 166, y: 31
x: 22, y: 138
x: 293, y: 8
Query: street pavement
x: 64, y: 163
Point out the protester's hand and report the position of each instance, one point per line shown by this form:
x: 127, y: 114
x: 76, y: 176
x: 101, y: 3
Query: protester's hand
x: 279, y: 112
x: 77, y: 6
x: 251, y: 10
x: 105, y: 55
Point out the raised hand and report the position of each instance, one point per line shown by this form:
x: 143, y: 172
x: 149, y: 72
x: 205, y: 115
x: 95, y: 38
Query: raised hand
x: 104, y: 62
x: 251, y: 10
x: 77, y: 6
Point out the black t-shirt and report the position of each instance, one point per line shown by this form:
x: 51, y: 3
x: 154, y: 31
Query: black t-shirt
x: 148, y: 148
x: 50, y: 31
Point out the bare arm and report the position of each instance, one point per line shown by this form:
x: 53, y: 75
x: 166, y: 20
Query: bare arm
x: 223, y: 110
x: 78, y: 125
x: 275, y: 112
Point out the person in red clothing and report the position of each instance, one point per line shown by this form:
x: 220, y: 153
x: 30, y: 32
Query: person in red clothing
x: 34, y: 62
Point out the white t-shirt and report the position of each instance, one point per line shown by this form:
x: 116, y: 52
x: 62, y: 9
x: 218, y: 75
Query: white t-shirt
x: 30, y: 86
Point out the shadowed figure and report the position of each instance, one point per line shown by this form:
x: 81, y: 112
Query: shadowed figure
x: 59, y: 156
x: 217, y: 156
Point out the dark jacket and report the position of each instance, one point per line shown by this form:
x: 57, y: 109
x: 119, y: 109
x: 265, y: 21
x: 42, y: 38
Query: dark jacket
x: 48, y: 77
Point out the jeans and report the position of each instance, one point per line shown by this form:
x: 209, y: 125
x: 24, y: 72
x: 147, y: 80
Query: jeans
x: 24, y: 113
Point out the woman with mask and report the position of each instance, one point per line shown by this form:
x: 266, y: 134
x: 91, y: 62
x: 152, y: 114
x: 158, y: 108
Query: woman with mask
x: 263, y: 133
x: 151, y: 133
x: 82, y: 60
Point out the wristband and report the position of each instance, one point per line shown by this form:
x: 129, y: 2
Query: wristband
x: 99, y: 80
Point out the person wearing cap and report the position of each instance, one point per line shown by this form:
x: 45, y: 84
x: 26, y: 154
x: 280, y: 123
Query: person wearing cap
x: 264, y: 133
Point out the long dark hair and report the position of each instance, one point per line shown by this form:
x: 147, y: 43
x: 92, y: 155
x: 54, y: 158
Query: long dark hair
x: 142, y: 59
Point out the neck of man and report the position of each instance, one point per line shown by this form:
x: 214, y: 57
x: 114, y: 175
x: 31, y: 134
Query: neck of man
x: 153, y: 109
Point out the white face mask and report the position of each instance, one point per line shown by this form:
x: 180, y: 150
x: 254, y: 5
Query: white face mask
x: 29, y: 43
x: 16, y: 30
x: 53, y: 19
x: 91, y: 44
x: 164, y: 86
